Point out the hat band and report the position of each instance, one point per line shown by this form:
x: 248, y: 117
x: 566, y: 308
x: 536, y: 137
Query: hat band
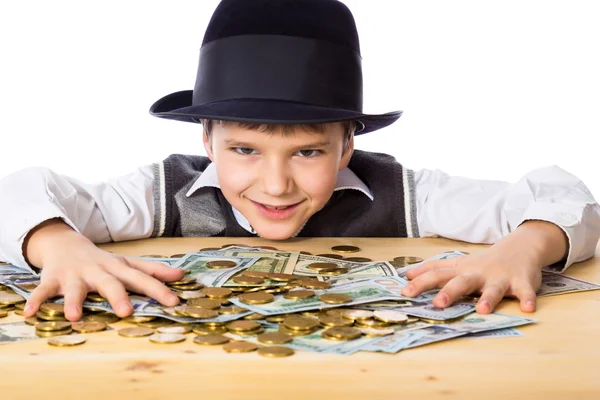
x: 279, y: 68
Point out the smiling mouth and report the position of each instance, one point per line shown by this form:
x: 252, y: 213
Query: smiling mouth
x: 277, y: 211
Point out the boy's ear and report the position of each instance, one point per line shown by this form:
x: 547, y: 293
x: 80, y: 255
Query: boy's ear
x: 347, y: 154
x: 208, y: 146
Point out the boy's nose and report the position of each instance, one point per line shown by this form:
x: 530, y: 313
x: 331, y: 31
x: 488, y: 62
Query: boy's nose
x: 276, y: 180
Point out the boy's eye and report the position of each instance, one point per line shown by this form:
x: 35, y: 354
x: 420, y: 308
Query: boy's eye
x: 309, y: 153
x: 244, y: 150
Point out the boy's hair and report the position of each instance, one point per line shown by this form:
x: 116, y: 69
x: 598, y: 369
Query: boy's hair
x: 284, y: 129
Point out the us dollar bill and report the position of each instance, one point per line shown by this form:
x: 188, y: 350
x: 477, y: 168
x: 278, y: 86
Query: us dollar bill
x: 506, y: 332
x: 474, y: 323
x: 304, y: 260
x: 434, y: 334
x: 375, y: 269
x: 554, y: 283
x: 429, y: 311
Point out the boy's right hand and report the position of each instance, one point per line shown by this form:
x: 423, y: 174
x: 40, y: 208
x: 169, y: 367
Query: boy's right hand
x: 72, y: 266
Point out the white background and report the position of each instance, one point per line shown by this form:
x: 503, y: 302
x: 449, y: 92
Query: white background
x: 489, y: 89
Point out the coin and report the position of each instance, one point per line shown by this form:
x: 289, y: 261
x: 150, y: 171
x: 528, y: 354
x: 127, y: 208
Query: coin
x: 167, y: 338
x: 321, y: 265
x: 335, y: 298
x: 190, y: 294
x: 52, y: 326
x: 412, y: 320
x: 47, y: 334
x: 291, y: 332
x: 240, y: 326
x: 341, y: 333
x: 275, y: 351
x: 268, y: 248
x: 32, y: 321
x: 345, y: 249
x: 240, y: 347
x: 11, y: 298
x: 204, y: 303
x: 236, y: 245
x: 88, y: 327
x: 52, y: 309
x: 107, y: 318
x: 333, y: 271
x: 216, y: 292
x: 95, y: 297
x: 231, y: 310
x: 46, y: 317
x: 254, y: 332
x: 315, y: 284
x: 354, y: 315
x: 134, y: 319
x: 209, y: 249
x: 196, y: 312
x: 135, y: 332
x: 247, y: 280
x: 177, y: 255
x: 329, y: 321
x: 370, y: 323
x: 154, y: 256
x: 183, y: 329
x: 407, y: 260
x: 358, y: 259
x: 390, y: 316
x: 256, y: 298
x: 155, y: 324
x: 254, y: 317
x: 181, y: 282
x: 274, y: 338
x: 221, y: 264
x: 211, y: 340
x: 280, y: 277
x: 306, y: 253
x: 334, y: 256
x: 297, y: 323
x: 377, y: 332
x: 254, y: 274
x: 298, y: 294
x: 205, y: 330
x: 3, y: 313
x: 66, y: 341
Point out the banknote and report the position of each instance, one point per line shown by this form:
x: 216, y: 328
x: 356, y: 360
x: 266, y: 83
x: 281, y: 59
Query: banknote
x: 431, y: 312
x: 168, y: 261
x: 304, y: 260
x: 442, y: 256
x: 12, y: 332
x: 394, y: 343
x: 363, y: 291
x: 474, y: 323
x: 506, y: 332
x: 196, y: 263
x: 554, y: 283
x: 435, y: 334
x: 375, y: 269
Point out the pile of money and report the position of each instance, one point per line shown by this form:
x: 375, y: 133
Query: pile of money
x: 275, y: 303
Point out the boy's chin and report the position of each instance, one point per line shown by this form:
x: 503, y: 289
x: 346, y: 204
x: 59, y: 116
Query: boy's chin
x: 276, y: 233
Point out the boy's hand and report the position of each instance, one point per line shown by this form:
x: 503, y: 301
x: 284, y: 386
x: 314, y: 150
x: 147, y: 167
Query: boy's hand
x: 511, y: 267
x: 73, y: 266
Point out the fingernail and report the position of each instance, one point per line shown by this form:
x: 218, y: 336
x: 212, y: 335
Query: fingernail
x: 486, y: 304
x: 28, y: 308
x: 124, y: 307
x: 443, y: 298
x: 73, y: 310
x: 531, y: 304
x: 409, y: 289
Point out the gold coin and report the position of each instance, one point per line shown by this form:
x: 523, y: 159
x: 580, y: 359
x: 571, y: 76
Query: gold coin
x: 47, y: 317
x: 274, y: 338
x: 177, y: 255
x: 275, y: 351
x: 190, y: 294
x: 345, y: 249
x: 221, y: 264
x: 256, y: 298
x: 315, y: 284
x: 373, y: 332
x: 341, y: 333
x: 211, y: 340
x: 66, y: 341
x: 206, y: 330
x: 47, y: 334
x: 321, y: 265
x: 357, y: 315
x: 390, y: 316
x: 183, y: 329
x: 204, y: 303
x: 216, y: 292
x: 196, y: 312
x: 254, y: 317
x: 268, y: 248
x: 407, y: 260
x: 107, y: 318
x: 209, y: 249
x: 20, y: 306
x: 134, y: 319
x: 280, y: 277
x: 254, y: 274
x: 88, y: 327
x: 95, y: 297
x: 240, y: 326
x: 213, y: 324
x: 52, y: 309
x: 167, y: 338
x: 240, y: 347
x: 440, y: 321
x: 32, y: 321
x: 154, y: 324
x: 18, y: 312
x: 3, y: 313
x: 297, y: 323
x: 247, y: 280
x: 181, y: 282
x: 306, y: 253
x: 358, y: 259
x: 135, y: 332
x: 335, y: 298
x: 333, y: 271
x: 52, y: 326
x: 231, y: 310
x: 329, y: 321
x: 236, y: 245
x: 189, y: 287
x: 252, y: 332
x: 154, y: 256
x: 277, y: 318
x: 329, y: 255
x: 412, y: 320
x: 370, y: 323
x: 11, y: 298
x: 291, y: 332
x: 299, y: 294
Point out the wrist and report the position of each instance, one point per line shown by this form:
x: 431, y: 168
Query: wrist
x: 43, y: 237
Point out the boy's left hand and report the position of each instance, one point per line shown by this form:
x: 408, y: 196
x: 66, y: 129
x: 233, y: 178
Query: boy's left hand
x: 511, y: 267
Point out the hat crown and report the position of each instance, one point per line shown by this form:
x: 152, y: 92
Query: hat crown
x: 326, y: 20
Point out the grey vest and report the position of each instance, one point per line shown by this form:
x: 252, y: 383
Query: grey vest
x: 348, y: 213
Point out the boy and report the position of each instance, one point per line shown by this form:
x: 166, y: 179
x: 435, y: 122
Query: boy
x: 279, y: 96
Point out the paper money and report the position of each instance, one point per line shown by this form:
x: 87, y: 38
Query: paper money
x: 553, y: 284
x: 435, y: 334
x: 475, y: 322
x: 12, y: 332
x: 304, y: 260
x: 394, y: 343
x: 506, y: 332
x: 431, y: 312
x: 363, y: 291
x: 442, y: 256
x: 375, y: 269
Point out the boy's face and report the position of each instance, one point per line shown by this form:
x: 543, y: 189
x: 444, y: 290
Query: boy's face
x: 277, y: 182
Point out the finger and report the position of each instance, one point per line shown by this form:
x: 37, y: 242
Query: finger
x: 456, y: 288
x: 39, y: 295
x: 74, y: 292
x: 429, y: 280
x: 112, y: 290
x: 491, y: 295
x: 431, y: 266
x: 155, y: 269
x: 139, y: 282
x: 527, y: 297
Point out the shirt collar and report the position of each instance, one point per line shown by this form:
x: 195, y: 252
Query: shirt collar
x: 346, y: 180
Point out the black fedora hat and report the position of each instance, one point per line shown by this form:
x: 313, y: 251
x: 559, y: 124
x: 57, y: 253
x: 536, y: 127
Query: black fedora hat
x: 277, y: 62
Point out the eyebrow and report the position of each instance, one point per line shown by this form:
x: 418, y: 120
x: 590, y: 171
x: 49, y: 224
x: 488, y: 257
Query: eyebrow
x: 236, y: 143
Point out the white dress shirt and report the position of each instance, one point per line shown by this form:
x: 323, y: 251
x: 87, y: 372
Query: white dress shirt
x: 476, y: 211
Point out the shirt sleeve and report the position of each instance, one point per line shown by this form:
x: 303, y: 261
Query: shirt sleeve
x: 483, y: 211
x: 118, y: 209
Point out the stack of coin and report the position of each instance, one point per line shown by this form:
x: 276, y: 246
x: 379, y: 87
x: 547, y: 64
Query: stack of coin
x: 51, y: 312
x: 53, y: 328
x: 245, y: 328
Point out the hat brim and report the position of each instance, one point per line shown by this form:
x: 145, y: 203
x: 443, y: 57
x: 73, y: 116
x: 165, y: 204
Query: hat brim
x: 177, y: 106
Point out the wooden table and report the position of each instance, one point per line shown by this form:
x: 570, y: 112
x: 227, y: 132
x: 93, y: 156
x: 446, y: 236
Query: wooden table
x: 558, y: 357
